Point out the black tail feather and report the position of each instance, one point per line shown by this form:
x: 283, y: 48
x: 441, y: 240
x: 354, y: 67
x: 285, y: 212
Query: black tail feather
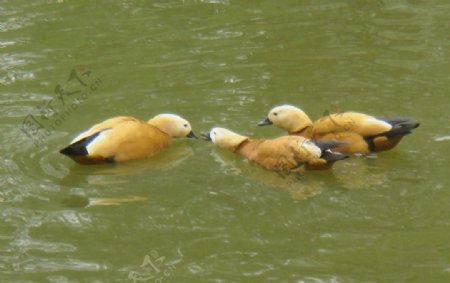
x: 401, y: 129
x: 400, y: 126
x: 395, y: 120
x: 79, y: 148
x: 326, y: 146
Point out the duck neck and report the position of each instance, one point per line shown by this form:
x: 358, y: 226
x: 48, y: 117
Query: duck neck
x: 306, y: 132
x: 161, y: 124
x: 246, y: 147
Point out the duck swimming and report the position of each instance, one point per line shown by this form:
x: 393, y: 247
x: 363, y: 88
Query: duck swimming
x: 361, y: 133
x: 126, y: 138
x: 287, y: 153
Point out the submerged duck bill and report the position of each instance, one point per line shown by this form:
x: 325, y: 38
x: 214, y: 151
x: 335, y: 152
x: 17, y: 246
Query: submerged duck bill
x: 206, y: 136
x: 265, y: 122
x: 191, y: 135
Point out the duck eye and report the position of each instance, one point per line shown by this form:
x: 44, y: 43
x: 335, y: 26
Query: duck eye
x: 185, y: 125
x: 275, y: 114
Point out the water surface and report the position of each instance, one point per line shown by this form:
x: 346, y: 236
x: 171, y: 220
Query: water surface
x: 197, y: 214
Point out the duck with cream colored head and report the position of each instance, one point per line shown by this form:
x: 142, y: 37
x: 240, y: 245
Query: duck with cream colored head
x: 126, y: 138
x: 287, y: 153
x: 361, y: 133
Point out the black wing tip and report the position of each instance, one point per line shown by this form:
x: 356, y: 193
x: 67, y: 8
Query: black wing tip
x: 328, y: 144
x: 75, y: 149
x: 332, y: 156
x: 415, y: 125
x: 78, y: 148
x: 402, y: 129
x: 401, y: 121
x: 66, y: 151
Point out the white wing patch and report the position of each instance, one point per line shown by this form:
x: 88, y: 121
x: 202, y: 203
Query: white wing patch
x: 97, y: 142
x: 311, y: 148
x: 80, y: 136
x: 379, y: 123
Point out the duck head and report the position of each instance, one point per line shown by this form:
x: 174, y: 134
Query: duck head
x: 288, y: 118
x: 224, y: 138
x: 174, y: 125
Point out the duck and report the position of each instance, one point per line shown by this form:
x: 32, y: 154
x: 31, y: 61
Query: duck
x: 362, y: 133
x: 125, y: 138
x: 286, y: 153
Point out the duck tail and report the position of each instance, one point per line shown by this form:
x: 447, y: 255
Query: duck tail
x: 326, y: 147
x: 326, y: 160
x: 79, y: 148
x: 401, y: 126
x: 394, y: 120
x: 402, y: 129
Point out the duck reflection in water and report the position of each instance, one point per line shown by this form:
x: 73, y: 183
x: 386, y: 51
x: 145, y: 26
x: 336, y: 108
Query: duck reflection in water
x: 113, y: 173
x: 298, y: 186
x: 118, y: 174
x: 354, y: 173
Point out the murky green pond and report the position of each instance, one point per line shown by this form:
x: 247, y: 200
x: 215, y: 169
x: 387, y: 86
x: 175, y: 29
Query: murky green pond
x: 198, y: 214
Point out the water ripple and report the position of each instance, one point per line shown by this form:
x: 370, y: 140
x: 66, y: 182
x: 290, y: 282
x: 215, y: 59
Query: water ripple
x: 224, y: 62
x: 49, y: 247
x: 39, y: 265
x: 12, y: 67
x: 19, y: 254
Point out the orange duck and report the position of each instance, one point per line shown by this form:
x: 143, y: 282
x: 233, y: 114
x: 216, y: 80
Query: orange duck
x: 287, y: 153
x: 126, y: 138
x: 361, y: 133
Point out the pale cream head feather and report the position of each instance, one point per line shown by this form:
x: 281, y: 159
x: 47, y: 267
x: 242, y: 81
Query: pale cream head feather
x: 289, y: 118
x: 225, y: 138
x: 173, y: 125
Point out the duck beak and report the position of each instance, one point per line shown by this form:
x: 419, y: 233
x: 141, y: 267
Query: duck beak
x: 191, y: 135
x: 206, y: 136
x: 265, y: 122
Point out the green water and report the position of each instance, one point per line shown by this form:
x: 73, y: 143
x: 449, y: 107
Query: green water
x: 197, y: 214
